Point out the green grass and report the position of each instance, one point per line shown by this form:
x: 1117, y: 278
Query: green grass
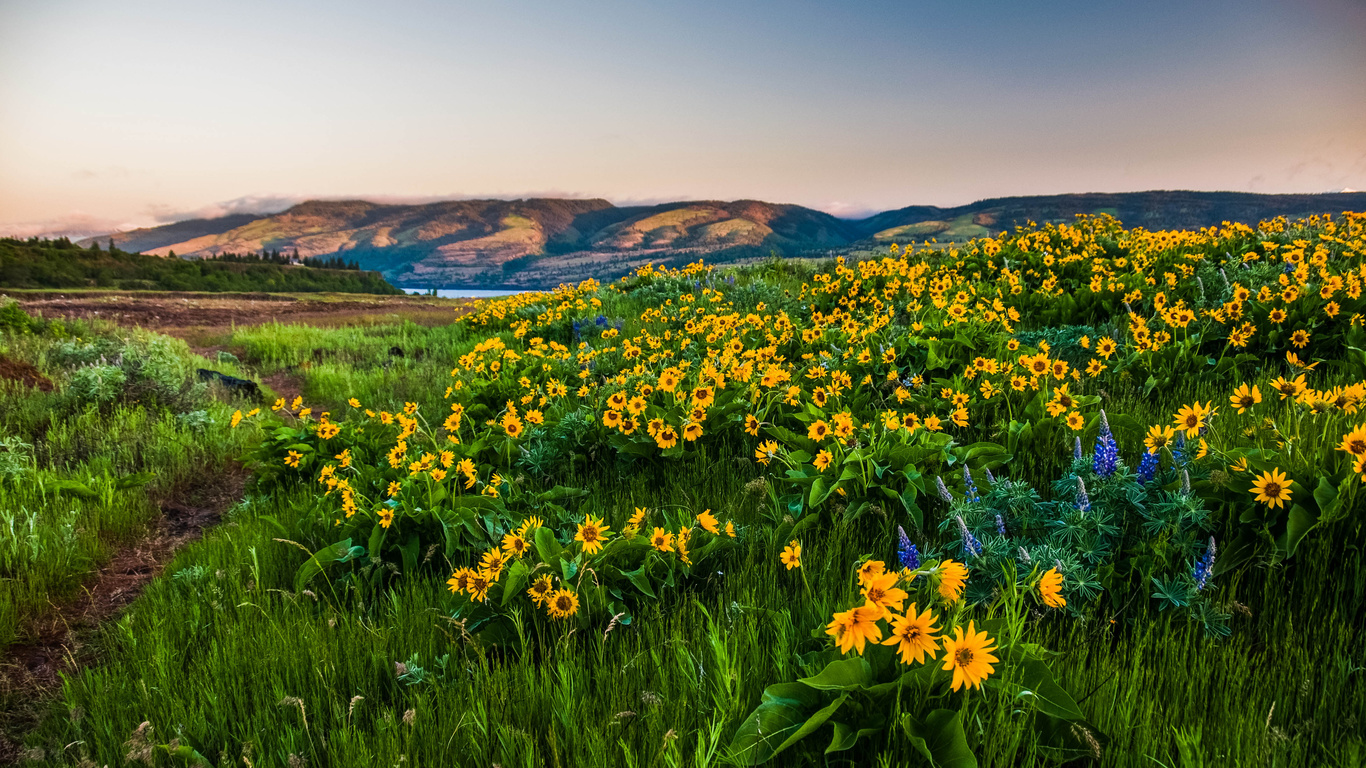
x: 225, y: 657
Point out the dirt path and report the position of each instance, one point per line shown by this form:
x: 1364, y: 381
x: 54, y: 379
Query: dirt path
x: 59, y: 639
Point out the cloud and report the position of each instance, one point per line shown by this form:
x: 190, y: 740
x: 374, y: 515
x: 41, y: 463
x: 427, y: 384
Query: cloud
x: 74, y: 225
x: 267, y: 204
x: 255, y: 204
x: 843, y: 210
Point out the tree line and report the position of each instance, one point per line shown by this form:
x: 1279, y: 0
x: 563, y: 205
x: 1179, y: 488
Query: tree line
x: 60, y: 263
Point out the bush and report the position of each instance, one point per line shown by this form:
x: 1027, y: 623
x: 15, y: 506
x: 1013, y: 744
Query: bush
x: 97, y: 383
x: 13, y: 318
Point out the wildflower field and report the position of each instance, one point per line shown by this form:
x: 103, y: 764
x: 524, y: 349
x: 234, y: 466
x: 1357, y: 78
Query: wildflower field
x: 1077, y: 494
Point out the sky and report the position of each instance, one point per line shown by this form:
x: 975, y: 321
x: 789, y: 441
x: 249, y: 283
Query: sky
x: 119, y: 114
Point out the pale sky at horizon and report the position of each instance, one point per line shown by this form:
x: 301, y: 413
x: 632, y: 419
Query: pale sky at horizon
x: 119, y: 114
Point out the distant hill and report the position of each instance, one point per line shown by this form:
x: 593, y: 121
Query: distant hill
x: 544, y: 241
x: 1150, y: 210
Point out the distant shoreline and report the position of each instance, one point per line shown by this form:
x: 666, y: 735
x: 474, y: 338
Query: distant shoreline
x: 472, y: 292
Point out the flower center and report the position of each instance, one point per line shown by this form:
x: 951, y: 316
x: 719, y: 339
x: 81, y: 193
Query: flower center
x: 963, y: 657
x: 1272, y: 489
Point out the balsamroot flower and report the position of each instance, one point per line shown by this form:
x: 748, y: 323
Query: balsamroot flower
x: 1050, y: 589
x: 914, y: 636
x: 969, y: 657
x: 855, y: 628
x: 1272, y: 488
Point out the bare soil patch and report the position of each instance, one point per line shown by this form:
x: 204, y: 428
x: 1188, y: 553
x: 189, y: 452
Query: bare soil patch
x: 24, y: 373
x: 207, y: 314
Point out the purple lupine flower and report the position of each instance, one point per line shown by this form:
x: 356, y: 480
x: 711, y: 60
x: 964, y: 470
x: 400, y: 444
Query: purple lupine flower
x: 971, y: 546
x: 1204, y: 567
x: 1083, y: 501
x: 1076, y: 448
x: 943, y: 490
x: 1179, y: 449
x: 990, y: 477
x: 1106, y: 455
x: 1000, y: 524
x: 906, y: 551
x: 1147, y: 468
x: 971, y: 487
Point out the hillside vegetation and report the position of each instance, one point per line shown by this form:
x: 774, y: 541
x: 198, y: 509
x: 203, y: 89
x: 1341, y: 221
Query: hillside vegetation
x: 62, y: 264
x: 543, y: 242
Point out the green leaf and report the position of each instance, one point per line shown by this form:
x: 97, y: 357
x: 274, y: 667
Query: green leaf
x: 410, y: 550
x: 1326, y: 496
x: 819, y: 492
x: 641, y: 579
x: 72, y: 488
x: 912, y: 509
x: 846, y: 736
x: 787, y: 713
x: 320, y: 560
x: 186, y: 753
x: 940, y: 738
x: 518, y: 576
x: 135, y: 480
x: 377, y: 534
x: 1038, y: 685
x: 547, y: 547
x: 562, y: 492
x: 1298, y: 525
x: 842, y: 675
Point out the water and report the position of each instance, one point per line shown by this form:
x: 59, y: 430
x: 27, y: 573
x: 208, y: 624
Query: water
x: 464, y: 293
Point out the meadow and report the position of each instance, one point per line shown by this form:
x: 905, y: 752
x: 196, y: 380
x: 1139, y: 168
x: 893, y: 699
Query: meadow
x: 1071, y: 495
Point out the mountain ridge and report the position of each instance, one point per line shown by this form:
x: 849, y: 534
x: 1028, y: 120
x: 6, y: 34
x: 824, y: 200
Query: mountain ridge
x: 543, y: 241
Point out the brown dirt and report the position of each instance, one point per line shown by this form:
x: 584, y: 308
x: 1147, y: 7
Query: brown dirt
x: 202, y: 314
x: 287, y: 385
x: 25, y: 373
x: 57, y: 640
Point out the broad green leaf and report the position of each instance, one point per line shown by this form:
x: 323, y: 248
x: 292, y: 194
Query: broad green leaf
x: 819, y: 492
x: 842, y: 675
x: 1326, y: 496
x: 320, y: 560
x: 1039, y: 686
x: 547, y: 547
x: 410, y: 551
x: 641, y: 579
x: 846, y: 736
x: 787, y: 713
x: 940, y: 738
x: 562, y: 492
x: 1297, y: 525
x: 518, y: 576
